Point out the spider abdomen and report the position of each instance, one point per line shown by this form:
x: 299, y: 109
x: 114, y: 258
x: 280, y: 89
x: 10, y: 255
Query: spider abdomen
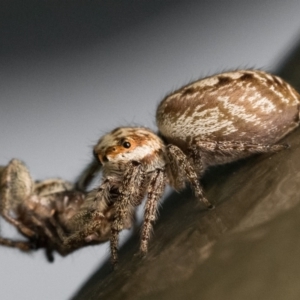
x: 244, y: 106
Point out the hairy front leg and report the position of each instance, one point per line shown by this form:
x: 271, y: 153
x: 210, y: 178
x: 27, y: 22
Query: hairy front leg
x: 123, y: 206
x: 155, y: 190
x: 93, y: 221
x: 97, y: 228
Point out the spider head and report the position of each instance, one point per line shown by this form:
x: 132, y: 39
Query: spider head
x: 125, y: 144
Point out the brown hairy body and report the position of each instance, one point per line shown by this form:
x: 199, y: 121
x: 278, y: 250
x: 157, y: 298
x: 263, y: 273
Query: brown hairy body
x: 212, y: 121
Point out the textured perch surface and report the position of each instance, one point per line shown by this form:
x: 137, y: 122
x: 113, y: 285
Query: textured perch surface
x: 246, y: 248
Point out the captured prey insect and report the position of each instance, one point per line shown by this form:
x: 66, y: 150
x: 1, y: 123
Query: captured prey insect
x: 50, y: 211
x: 212, y: 121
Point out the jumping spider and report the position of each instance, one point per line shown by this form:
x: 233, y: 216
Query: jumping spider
x: 50, y: 211
x: 213, y: 121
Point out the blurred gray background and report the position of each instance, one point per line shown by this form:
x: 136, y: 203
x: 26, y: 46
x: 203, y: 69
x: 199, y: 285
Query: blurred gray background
x: 71, y: 72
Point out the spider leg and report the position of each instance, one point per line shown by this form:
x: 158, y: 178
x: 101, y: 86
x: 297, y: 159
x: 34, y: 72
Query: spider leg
x: 90, y: 223
x: 138, y: 193
x: 22, y: 245
x: 195, y: 155
x: 16, y: 186
x: 51, y: 187
x: 87, y: 175
x: 123, y: 206
x: 102, y: 192
x: 177, y: 175
x: 49, y: 254
x: 97, y: 229
x: 155, y: 190
x: 57, y: 238
x: 175, y: 153
x: 59, y: 231
x: 229, y: 147
x: 43, y: 230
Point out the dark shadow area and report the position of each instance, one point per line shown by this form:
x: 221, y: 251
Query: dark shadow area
x: 28, y: 28
x: 246, y: 248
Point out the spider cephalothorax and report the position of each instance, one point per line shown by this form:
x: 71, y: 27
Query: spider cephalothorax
x: 127, y: 144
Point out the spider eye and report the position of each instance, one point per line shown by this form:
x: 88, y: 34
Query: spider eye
x: 126, y: 145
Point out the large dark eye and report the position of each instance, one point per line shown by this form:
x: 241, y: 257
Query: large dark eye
x: 126, y: 145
